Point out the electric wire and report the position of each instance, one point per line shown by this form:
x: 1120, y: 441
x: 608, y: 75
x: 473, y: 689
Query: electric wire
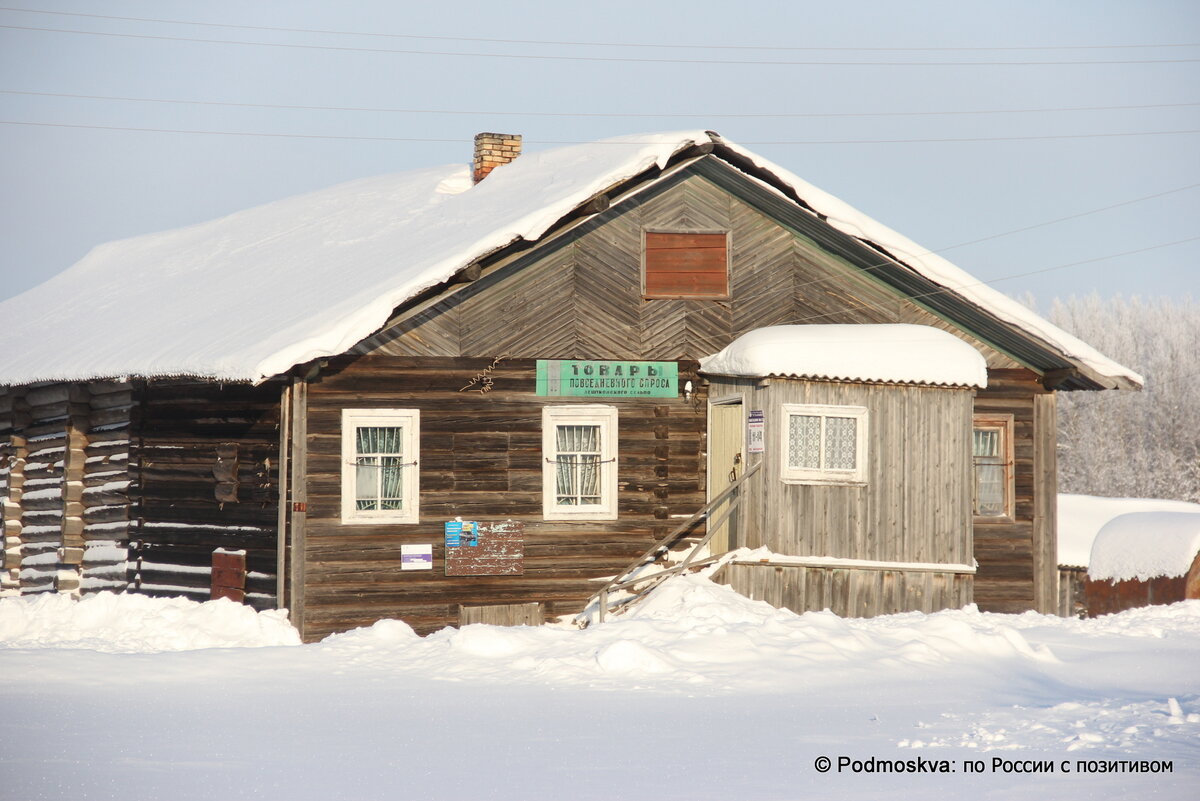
x: 568, y: 43
x: 569, y: 114
x: 601, y: 59
x: 358, y: 138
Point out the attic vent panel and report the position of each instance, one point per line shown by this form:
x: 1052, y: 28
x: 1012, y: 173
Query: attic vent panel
x: 686, y: 265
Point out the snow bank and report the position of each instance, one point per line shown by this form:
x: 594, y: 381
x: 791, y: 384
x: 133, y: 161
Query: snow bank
x: 137, y: 624
x: 913, y: 354
x: 1145, y: 545
x: 691, y: 633
x: 1080, y: 518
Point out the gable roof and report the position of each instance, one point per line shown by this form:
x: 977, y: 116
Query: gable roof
x: 250, y: 295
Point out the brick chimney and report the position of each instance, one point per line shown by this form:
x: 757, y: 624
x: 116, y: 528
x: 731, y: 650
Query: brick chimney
x: 492, y: 150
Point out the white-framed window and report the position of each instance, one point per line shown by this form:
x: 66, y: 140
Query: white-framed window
x: 824, y: 444
x: 380, y: 458
x: 579, y: 469
x: 991, y: 453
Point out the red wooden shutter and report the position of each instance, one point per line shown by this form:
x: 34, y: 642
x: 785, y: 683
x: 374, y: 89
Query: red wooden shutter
x: 687, y: 265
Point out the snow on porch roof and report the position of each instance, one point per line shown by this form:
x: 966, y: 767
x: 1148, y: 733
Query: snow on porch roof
x: 250, y: 295
x: 902, y: 354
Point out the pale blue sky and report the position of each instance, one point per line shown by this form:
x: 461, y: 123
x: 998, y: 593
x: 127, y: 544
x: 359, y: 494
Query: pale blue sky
x: 68, y: 189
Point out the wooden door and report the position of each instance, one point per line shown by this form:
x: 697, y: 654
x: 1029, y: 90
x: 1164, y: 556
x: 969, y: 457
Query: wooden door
x: 726, y: 461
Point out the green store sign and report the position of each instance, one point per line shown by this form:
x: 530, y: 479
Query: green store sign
x: 607, y: 379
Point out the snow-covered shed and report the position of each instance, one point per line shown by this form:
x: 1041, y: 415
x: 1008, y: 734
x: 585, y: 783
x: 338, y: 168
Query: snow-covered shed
x: 298, y: 403
x: 863, y: 438
x: 1144, y: 558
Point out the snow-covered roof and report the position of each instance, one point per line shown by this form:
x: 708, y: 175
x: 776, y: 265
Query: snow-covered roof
x: 1081, y: 517
x: 904, y: 354
x: 1145, y: 545
x: 250, y: 295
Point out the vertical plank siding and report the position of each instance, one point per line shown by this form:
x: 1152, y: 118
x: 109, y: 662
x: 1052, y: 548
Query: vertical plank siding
x: 481, y: 459
x: 915, y: 505
x: 848, y: 592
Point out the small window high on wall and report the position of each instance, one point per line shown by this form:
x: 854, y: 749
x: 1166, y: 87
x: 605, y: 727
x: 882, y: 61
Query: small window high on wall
x: 991, y: 450
x: 379, y: 465
x: 686, y: 265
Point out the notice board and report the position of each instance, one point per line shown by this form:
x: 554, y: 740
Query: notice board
x: 499, y: 550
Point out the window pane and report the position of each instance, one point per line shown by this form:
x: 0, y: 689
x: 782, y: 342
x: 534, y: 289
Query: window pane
x: 986, y: 442
x: 578, y: 471
x: 841, y: 443
x: 380, y: 439
x: 567, y: 488
x: 804, y: 441
x: 390, y: 485
x: 366, y: 476
x: 589, y: 479
x: 989, y: 488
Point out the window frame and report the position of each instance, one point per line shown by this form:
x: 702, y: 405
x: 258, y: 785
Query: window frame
x: 822, y: 475
x: 410, y: 421
x: 688, y: 232
x: 1004, y: 424
x: 580, y: 414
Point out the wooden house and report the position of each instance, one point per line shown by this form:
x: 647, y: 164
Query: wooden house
x: 427, y: 397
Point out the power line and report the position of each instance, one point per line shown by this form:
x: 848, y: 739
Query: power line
x: 944, y: 290
x: 883, y: 264
x: 603, y: 59
x: 585, y: 142
x: 293, y: 107
x: 665, y: 46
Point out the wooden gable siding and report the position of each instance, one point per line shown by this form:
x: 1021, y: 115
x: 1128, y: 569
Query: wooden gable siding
x: 579, y: 296
x: 1017, y: 557
x: 207, y: 468
x: 64, y: 474
x: 481, y: 459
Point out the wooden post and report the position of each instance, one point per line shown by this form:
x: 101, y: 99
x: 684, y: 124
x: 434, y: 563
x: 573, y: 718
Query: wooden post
x: 299, y: 504
x: 281, y: 520
x: 1045, y: 504
x: 70, y: 555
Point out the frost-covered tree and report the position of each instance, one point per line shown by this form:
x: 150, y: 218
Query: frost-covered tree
x: 1134, y: 444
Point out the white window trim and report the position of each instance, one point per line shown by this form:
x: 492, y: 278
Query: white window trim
x: 803, y: 475
x: 410, y: 419
x: 580, y: 414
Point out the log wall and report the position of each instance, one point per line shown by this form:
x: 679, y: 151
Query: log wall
x: 64, y: 480
x: 481, y: 459
x: 207, y: 464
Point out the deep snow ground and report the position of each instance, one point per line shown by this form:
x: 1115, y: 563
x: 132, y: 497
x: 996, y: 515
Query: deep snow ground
x: 699, y: 694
